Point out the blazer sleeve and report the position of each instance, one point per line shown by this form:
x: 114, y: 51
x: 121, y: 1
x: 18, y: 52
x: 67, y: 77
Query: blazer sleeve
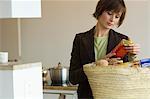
x: 76, y: 73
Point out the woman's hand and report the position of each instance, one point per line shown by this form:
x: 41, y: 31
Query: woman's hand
x: 133, y: 49
x: 109, y: 55
x: 112, y: 61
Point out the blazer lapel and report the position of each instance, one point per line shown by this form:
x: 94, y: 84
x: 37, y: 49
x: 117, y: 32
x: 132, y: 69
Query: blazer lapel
x: 88, y: 41
x: 113, y: 40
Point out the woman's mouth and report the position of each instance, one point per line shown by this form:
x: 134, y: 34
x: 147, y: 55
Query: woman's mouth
x: 109, y: 24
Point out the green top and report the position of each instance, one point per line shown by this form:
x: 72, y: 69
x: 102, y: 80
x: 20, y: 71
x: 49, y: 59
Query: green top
x: 100, y: 46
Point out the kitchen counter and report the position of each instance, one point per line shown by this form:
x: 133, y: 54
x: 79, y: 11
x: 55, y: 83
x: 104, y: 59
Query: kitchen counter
x: 61, y: 90
x: 19, y: 80
x: 18, y: 65
x: 61, y: 87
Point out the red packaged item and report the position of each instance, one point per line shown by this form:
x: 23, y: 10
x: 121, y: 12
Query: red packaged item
x: 120, y: 50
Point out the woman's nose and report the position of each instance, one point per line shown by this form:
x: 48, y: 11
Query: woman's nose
x: 112, y: 18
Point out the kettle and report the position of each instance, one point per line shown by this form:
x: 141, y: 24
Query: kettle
x: 59, y: 75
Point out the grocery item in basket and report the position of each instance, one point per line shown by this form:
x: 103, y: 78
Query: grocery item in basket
x: 145, y: 62
x: 109, y: 61
x: 102, y: 62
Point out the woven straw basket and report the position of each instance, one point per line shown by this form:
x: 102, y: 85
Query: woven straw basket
x: 114, y: 82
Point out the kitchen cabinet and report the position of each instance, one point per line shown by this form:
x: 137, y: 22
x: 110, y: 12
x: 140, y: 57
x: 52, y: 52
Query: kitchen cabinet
x: 20, y: 8
x: 21, y: 81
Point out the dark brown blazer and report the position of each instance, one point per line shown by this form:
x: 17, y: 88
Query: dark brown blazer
x: 83, y: 53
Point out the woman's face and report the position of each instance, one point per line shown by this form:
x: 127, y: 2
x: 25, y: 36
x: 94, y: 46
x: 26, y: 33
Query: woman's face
x: 109, y: 19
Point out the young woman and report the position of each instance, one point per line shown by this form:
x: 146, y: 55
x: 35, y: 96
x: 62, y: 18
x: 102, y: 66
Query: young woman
x: 97, y: 43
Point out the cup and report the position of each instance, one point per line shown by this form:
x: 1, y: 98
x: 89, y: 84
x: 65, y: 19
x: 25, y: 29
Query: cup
x: 3, y: 57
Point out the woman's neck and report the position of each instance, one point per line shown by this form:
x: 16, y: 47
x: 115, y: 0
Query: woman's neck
x: 100, y: 31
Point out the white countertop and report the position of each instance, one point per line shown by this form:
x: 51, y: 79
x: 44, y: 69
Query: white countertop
x: 18, y: 65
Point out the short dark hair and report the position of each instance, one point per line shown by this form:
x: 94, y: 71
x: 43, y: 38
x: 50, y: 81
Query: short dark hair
x: 110, y: 5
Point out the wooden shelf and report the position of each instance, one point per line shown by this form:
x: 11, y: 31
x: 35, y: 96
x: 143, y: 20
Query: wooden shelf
x: 60, y: 87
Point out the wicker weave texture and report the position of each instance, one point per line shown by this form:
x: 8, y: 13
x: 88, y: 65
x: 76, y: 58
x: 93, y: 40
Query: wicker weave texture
x: 118, y: 83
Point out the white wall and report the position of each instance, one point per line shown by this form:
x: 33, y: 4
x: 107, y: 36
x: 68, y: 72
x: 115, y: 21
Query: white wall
x: 49, y: 39
x: 0, y: 35
x: 148, y: 35
x: 9, y: 38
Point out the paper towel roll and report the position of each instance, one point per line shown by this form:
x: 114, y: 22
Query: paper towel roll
x: 3, y: 57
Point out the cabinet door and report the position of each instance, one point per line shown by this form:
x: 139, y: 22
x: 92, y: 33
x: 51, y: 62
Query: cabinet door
x: 28, y: 83
x: 50, y: 96
x: 56, y: 96
x: 6, y: 84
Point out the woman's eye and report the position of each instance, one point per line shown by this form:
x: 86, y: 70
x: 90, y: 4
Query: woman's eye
x: 109, y: 13
x: 117, y: 17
